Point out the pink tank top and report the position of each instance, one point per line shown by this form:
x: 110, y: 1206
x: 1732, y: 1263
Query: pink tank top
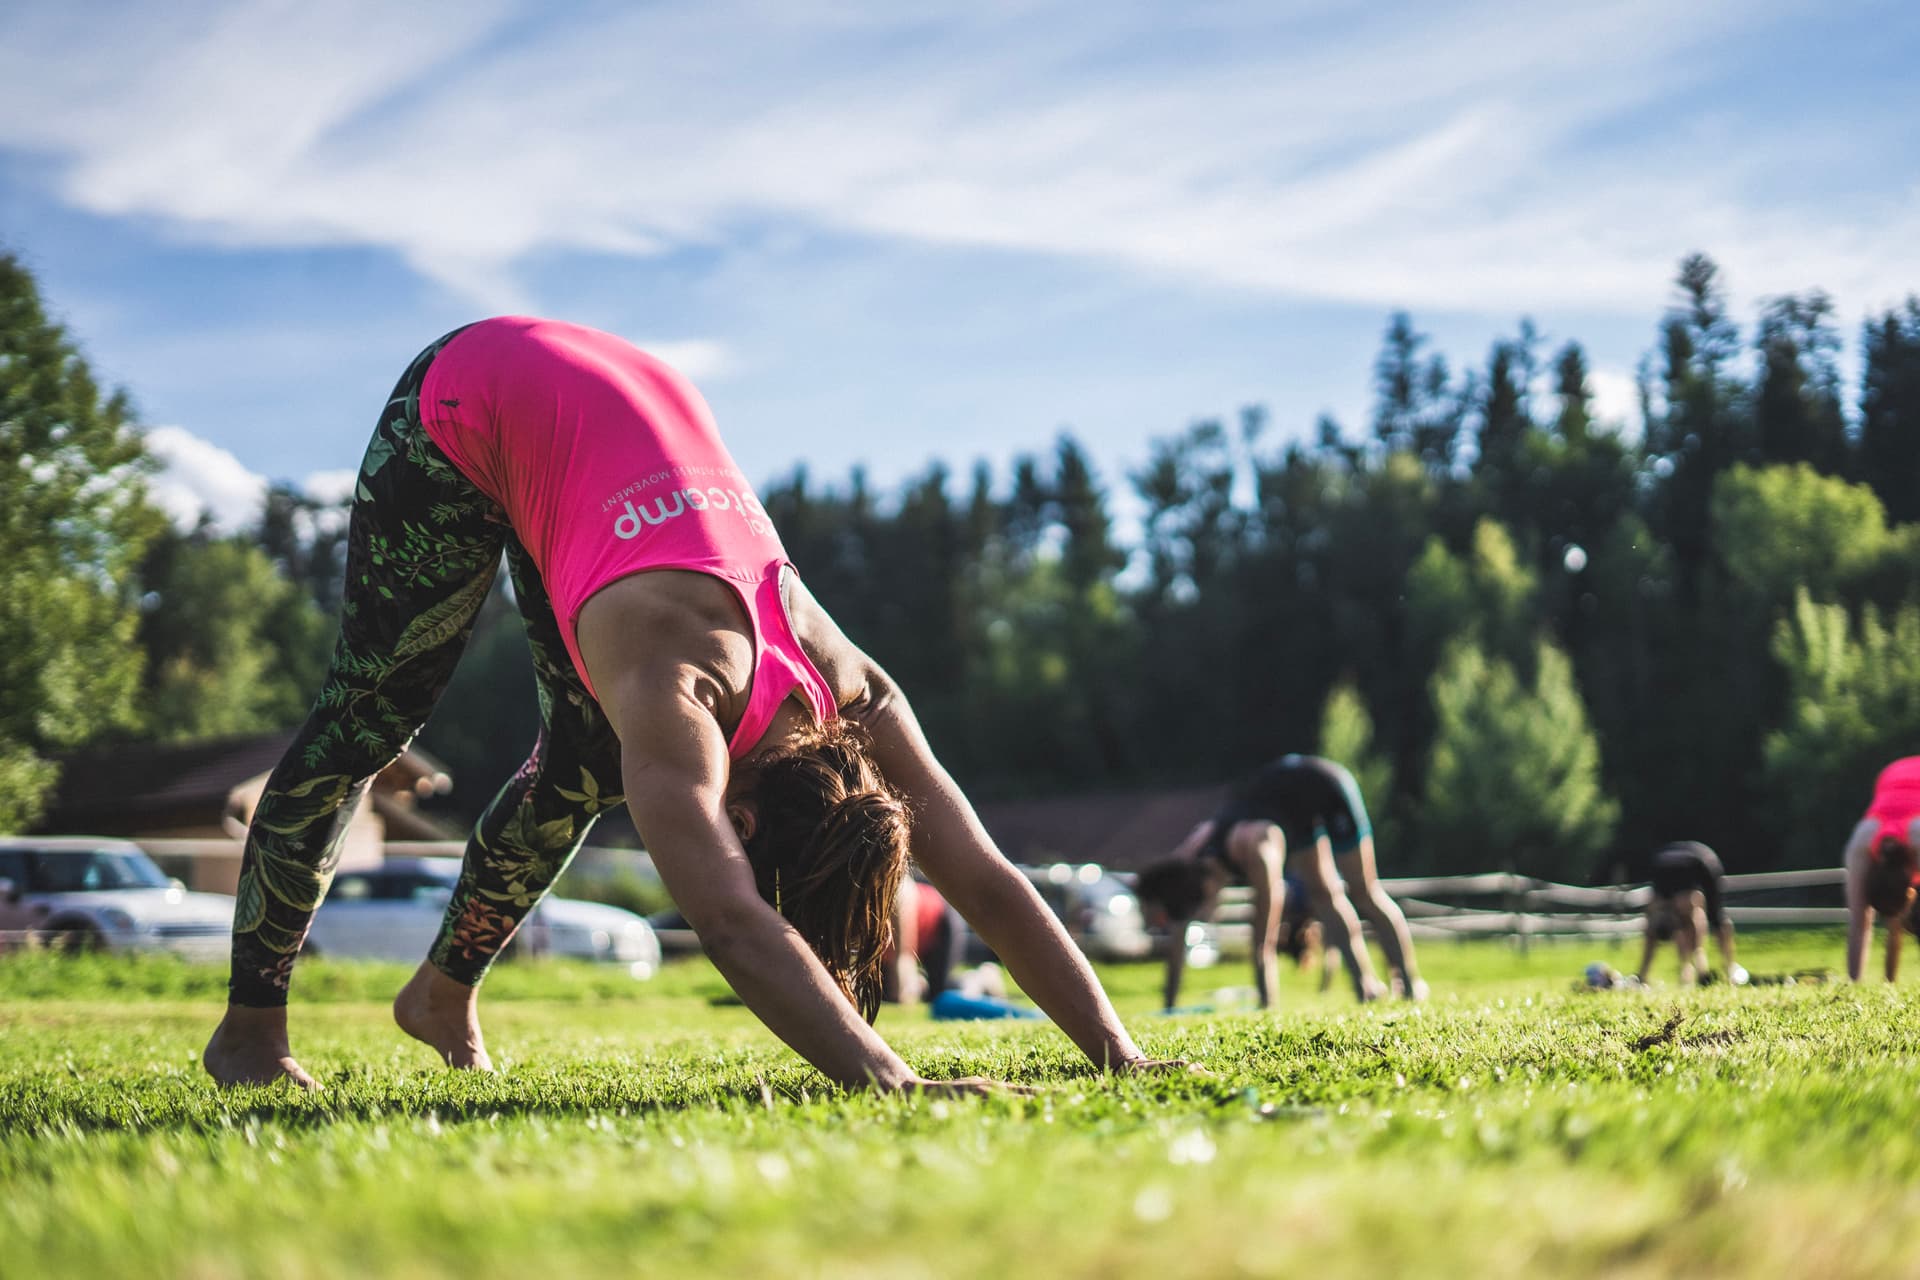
x: 608, y: 463
x: 1896, y: 798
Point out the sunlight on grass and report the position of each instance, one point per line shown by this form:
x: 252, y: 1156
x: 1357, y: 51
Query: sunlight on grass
x: 1514, y: 1125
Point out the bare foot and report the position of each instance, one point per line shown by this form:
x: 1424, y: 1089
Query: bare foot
x: 444, y: 1015
x: 250, y: 1047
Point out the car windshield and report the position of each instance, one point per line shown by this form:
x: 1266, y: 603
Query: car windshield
x: 94, y: 871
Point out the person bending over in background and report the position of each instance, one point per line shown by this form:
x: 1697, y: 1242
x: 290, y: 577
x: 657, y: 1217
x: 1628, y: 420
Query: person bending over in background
x: 1882, y: 866
x: 777, y: 776
x: 929, y: 944
x: 1688, y: 888
x: 1301, y: 816
x: 1302, y: 938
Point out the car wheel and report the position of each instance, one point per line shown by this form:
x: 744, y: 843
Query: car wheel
x: 73, y: 938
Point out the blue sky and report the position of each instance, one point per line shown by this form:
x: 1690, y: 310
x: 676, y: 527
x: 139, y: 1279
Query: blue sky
x: 888, y: 233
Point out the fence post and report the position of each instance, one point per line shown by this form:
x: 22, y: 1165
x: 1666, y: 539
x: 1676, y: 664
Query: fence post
x: 1517, y: 896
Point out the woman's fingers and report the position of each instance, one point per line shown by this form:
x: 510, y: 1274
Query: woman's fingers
x: 1164, y: 1066
x: 981, y: 1085
x: 968, y: 1087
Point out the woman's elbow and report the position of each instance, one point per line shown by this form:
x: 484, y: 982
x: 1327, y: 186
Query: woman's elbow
x: 729, y: 930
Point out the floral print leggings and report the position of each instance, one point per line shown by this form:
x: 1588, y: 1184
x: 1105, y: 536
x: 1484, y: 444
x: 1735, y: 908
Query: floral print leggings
x: 424, y: 546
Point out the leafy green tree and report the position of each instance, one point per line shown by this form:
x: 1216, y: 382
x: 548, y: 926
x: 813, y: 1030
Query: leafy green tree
x: 232, y: 645
x: 1487, y: 596
x: 1055, y: 639
x: 1854, y: 706
x: 1515, y: 778
x: 307, y: 541
x: 1346, y: 735
x: 1191, y: 527
x: 74, y: 520
x: 1784, y: 529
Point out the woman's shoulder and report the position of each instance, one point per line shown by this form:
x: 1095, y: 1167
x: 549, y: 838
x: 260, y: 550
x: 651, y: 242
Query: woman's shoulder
x: 848, y: 671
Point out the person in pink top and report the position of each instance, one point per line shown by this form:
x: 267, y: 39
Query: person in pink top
x: 1883, y: 867
x: 778, y: 777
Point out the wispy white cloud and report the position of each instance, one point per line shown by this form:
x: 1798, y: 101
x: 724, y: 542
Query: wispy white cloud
x: 701, y: 359
x: 331, y: 486
x: 1448, y: 157
x: 197, y: 478
x: 1616, y: 397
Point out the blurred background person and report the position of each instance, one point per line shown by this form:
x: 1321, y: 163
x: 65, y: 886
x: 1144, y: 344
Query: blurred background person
x: 1689, y: 889
x: 1882, y: 866
x: 1300, y: 818
x: 929, y: 943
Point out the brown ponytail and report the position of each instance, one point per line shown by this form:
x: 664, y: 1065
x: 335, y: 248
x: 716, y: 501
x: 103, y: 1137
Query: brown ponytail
x: 1890, y: 876
x: 829, y: 849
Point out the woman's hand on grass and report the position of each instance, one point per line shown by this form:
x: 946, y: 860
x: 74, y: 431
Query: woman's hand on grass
x: 966, y: 1087
x: 1161, y: 1067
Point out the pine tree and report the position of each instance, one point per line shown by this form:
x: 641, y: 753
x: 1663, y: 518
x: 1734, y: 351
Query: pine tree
x: 1515, y: 777
x: 1797, y: 416
x: 1889, y: 455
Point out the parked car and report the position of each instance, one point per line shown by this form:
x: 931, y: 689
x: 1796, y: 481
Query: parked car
x: 393, y: 911
x: 1101, y: 914
x: 1098, y: 908
x: 85, y: 893
x: 677, y: 937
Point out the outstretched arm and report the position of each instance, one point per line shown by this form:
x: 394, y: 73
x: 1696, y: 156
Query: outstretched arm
x: 960, y: 858
x: 1176, y: 963
x: 1859, y: 914
x: 1264, y: 873
x: 675, y: 774
x: 1647, y: 948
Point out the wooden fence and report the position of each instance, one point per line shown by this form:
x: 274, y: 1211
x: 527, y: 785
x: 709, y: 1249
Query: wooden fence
x: 1501, y: 904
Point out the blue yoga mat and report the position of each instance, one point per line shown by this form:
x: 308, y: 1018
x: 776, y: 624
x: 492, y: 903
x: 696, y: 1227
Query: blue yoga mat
x: 952, y: 1006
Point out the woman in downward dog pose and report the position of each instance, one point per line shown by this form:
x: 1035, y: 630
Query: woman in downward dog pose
x: 1688, y: 890
x: 1883, y: 868
x: 777, y: 776
x: 1299, y: 818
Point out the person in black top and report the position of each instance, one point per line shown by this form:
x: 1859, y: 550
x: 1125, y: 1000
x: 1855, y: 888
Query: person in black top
x: 1300, y: 816
x: 1687, y: 881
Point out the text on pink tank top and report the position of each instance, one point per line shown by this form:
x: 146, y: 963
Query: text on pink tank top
x: 607, y: 463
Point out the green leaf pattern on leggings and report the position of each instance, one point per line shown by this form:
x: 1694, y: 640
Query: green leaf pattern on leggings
x: 424, y: 550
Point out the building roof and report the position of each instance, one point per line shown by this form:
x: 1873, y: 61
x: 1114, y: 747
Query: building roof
x: 1124, y: 830
x: 147, y: 785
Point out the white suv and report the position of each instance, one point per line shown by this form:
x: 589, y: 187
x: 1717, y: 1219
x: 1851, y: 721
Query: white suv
x: 86, y: 893
x: 393, y: 912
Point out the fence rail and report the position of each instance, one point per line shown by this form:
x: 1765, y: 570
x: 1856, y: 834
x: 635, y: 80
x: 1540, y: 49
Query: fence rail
x: 1492, y: 904
x: 1497, y: 904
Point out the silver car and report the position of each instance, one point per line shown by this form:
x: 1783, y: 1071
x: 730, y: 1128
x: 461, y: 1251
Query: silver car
x: 1099, y: 910
x: 86, y: 893
x: 393, y: 912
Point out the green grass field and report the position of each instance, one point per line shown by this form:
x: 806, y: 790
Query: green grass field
x: 1513, y: 1125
